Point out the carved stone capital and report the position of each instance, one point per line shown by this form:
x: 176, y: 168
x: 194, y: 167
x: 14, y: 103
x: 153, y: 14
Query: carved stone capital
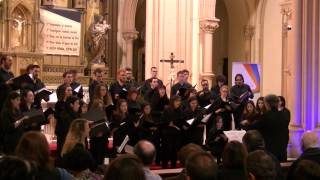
x: 248, y: 32
x: 209, y: 25
x: 130, y: 35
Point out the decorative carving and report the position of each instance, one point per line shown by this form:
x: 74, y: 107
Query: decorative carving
x: 79, y: 4
x: 130, y: 35
x: 286, y: 11
x: 249, y: 31
x: 209, y: 26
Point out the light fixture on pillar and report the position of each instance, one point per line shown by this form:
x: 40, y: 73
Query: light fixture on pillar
x: 79, y: 4
x: 47, y: 3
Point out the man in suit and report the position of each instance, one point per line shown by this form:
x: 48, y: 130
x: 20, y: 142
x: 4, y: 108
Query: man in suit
x: 98, y: 78
x: 77, y: 89
x: 204, y: 96
x: 118, y: 89
x: 130, y: 82
x: 31, y: 81
x: 273, y: 126
x: 181, y: 84
x: 67, y: 80
x: 6, y: 77
x: 146, y: 85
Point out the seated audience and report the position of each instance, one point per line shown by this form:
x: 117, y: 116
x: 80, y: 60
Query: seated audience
x: 260, y: 166
x: 307, y: 170
x: 34, y: 148
x: 233, y: 164
x: 125, y: 167
x: 184, y: 153
x: 311, y: 151
x: 201, y: 166
x: 253, y: 141
x: 147, y: 153
x: 13, y: 168
x: 75, y: 158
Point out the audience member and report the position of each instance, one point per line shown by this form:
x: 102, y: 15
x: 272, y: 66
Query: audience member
x: 260, y: 166
x: 201, y: 166
x: 307, y: 170
x: 13, y: 168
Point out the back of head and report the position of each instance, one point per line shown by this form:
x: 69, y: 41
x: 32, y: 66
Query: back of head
x: 146, y: 151
x: 125, y: 167
x: 271, y: 101
x: 234, y: 155
x: 13, y: 168
x: 201, y: 166
x: 188, y: 150
x: 310, y: 140
x: 253, y: 140
x: 307, y: 170
x: 33, y: 147
x: 261, y: 166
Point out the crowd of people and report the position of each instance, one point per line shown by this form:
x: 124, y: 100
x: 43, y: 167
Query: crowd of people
x: 161, y: 128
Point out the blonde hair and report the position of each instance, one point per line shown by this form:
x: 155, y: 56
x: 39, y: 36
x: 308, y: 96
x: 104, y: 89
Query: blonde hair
x: 76, y: 135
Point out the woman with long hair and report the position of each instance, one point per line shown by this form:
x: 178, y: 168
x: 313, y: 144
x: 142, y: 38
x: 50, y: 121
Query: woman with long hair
x: 75, y: 158
x: 249, y: 114
x: 66, y: 91
x: 27, y: 105
x: 12, y: 122
x: 33, y: 147
x: 260, y: 107
x: 101, y: 92
x: 172, y: 121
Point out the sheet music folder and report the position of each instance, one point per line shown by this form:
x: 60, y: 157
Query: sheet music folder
x: 42, y: 93
x: 99, y: 125
x: 34, y: 116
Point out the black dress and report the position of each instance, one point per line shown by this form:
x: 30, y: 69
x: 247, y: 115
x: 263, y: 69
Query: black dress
x: 219, y: 103
x: 4, y: 88
x: 11, y: 134
x: 194, y: 132
x: 216, y: 143
x: 171, y: 136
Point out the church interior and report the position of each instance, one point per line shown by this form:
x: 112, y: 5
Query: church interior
x: 272, y: 44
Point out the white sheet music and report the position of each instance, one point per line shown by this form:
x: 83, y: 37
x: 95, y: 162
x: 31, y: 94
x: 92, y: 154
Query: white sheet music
x: 207, y: 107
x: 190, y: 121
x: 123, y: 144
x: 206, y: 118
x: 235, y: 135
x: 77, y: 89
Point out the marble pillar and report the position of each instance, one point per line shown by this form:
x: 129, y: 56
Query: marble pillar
x: 129, y: 37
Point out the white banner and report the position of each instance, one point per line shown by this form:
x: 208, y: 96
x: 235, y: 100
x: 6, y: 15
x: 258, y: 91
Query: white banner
x: 60, y: 32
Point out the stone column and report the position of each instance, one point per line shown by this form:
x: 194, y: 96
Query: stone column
x: 129, y: 37
x: 208, y: 27
x: 248, y: 32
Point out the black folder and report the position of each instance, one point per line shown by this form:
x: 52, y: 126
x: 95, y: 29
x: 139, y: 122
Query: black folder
x: 42, y: 93
x: 34, y: 116
x: 99, y: 121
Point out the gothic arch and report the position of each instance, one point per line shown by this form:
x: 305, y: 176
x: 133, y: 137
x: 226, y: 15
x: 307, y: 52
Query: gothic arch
x: 129, y: 15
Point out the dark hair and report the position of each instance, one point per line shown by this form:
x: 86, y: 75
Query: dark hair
x: 221, y: 78
x: 96, y: 94
x: 257, y: 106
x: 261, y: 165
x: 239, y: 75
x: 66, y: 73
x: 234, y: 155
x: 307, y: 170
x: 188, y: 150
x: 71, y: 100
x: 73, y: 71
x: 24, y: 94
x: 131, y: 91
x: 281, y: 98
x: 31, y: 67
x: 13, y: 168
x: 245, y: 110
x: 125, y: 167
x: 118, y: 112
x: 185, y: 71
x: 3, y: 58
x: 13, y: 95
x: 201, y: 166
x: 253, y: 140
x: 128, y: 69
x: 272, y: 101
x: 172, y: 100
x: 98, y: 70
x: 63, y: 91
x: 146, y: 155
x: 33, y: 147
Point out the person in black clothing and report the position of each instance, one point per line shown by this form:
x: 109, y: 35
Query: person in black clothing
x: 233, y: 165
x: 260, y: 166
x: 282, y: 108
x: 222, y: 107
x: 6, y: 77
x: 220, y: 81
x: 101, y: 93
x: 118, y: 88
x: 158, y: 99
x: 152, y: 93
x: 307, y: 170
x: 69, y: 114
x: 60, y: 106
x: 34, y: 147
x: 12, y: 168
x: 171, y: 133
x: 31, y: 81
x: 260, y: 107
x: 193, y: 133
x: 254, y: 141
x: 249, y: 114
x: 239, y: 94
x: 217, y: 140
x: 77, y: 89
x: 311, y: 151
x: 146, y: 85
x: 67, y: 80
x: 181, y: 85
x: 205, y: 97
x: 130, y: 81
x: 273, y: 126
x: 27, y: 105
x: 98, y: 78
x: 12, y: 125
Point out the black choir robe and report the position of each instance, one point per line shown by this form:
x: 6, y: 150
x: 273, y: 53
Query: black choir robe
x: 193, y: 133
x: 5, y: 89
